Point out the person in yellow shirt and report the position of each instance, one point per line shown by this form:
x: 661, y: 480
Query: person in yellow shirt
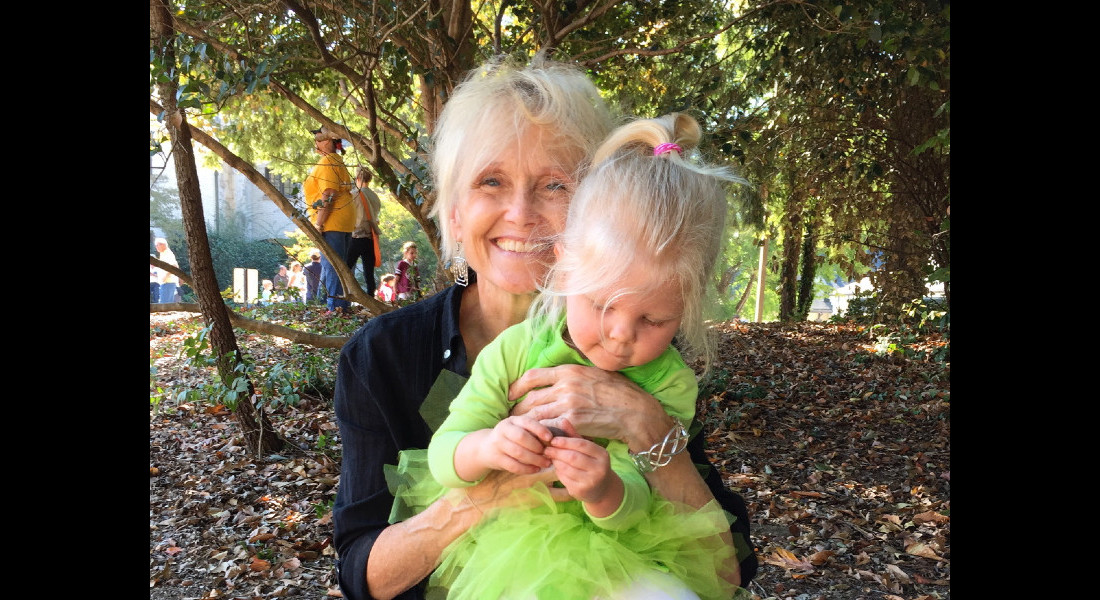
x: 330, y: 206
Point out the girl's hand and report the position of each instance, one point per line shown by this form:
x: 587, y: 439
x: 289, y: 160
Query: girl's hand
x: 516, y: 445
x: 584, y: 468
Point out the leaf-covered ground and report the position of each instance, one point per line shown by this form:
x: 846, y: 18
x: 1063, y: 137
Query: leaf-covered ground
x: 839, y: 443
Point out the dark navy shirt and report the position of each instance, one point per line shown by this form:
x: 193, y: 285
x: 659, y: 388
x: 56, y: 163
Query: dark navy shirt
x: 386, y: 370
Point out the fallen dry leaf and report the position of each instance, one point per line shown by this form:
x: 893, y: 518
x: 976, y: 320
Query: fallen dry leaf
x: 930, y: 516
x: 782, y: 557
x: 923, y: 550
x: 898, y: 574
x: 259, y: 564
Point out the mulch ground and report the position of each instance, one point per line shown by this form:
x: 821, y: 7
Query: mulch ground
x: 837, y: 438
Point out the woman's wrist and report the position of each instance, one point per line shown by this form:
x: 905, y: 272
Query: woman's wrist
x: 647, y: 427
x: 662, y: 452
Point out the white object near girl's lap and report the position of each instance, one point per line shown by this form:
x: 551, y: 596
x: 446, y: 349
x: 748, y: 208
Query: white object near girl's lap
x: 654, y: 586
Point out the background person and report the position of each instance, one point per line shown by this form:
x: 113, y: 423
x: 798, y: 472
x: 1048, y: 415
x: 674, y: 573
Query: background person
x: 168, y: 281
x: 366, y: 235
x: 407, y: 273
x: 267, y: 292
x: 385, y: 291
x: 504, y: 152
x: 328, y: 199
x: 313, y: 277
x: 281, y: 282
x: 296, y: 285
x: 154, y: 284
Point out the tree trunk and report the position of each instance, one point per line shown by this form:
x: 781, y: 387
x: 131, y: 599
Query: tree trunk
x: 745, y: 296
x: 258, y: 433
x: 788, y: 274
x: 809, y: 271
x: 727, y: 276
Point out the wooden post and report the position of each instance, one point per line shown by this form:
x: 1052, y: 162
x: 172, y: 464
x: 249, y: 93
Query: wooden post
x: 763, y: 269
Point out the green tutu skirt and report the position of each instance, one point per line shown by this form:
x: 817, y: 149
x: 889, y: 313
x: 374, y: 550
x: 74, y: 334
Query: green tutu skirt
x: 554, y: 552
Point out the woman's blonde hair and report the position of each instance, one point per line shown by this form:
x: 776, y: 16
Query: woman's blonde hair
x: 493, y: 107
x: 638, y: 206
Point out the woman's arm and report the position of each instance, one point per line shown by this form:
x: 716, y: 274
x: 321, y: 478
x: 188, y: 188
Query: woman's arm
x: 608, y: 405
x: 409, y: 551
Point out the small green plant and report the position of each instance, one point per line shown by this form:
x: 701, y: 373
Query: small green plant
x: 715, y: 382
x: 195, y: 347
x: 322, y: 508
x: 280, y: 386
x: 927, y: 313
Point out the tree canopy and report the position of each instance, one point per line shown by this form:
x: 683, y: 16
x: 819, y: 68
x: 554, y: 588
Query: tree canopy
x: 837, y: 112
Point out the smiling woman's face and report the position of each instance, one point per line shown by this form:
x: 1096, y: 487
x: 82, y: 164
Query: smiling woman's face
x: 507, y: 210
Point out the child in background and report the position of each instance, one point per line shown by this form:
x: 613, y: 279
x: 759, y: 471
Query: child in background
x: 385, y: 291
x: 407, y: 273
x: 267, y: 295
x: 633, y: 265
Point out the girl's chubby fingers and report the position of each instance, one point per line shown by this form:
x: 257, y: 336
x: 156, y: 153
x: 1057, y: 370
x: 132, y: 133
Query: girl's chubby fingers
x: 525, y: 431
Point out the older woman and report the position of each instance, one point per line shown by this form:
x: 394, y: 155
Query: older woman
x: 506, y: 149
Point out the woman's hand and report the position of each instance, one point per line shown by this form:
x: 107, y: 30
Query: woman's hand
x: 495, y: 491
x: 598, y: 403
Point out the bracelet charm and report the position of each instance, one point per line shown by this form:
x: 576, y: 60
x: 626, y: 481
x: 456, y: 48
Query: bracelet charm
x: 662, y: 453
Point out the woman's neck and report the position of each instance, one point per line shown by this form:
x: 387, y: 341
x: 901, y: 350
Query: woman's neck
x: 487, y: 311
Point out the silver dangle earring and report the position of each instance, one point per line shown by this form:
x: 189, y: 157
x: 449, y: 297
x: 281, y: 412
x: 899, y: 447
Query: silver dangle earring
x: 459, y: 268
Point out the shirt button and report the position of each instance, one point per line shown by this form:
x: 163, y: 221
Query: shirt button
x: 446, y: 354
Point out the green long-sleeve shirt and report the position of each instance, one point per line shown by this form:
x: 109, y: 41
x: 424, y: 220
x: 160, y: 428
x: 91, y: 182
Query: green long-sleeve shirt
x: 483, y: 402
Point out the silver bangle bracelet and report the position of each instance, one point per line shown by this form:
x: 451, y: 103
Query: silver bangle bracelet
x: 661, y: 453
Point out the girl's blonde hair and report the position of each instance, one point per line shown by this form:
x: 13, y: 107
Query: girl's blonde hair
x: 636, y: 206
x: 493, y: 107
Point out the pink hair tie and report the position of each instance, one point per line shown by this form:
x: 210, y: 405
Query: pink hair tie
x: 667, y: 147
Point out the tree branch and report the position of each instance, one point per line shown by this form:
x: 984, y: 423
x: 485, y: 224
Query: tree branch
x: 294, y: 335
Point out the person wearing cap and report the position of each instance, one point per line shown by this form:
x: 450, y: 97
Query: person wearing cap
x: 330, y: 206
x: 168, y: 281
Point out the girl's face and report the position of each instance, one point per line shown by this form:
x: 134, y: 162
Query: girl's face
x: 410, y: 254
x: 506, y: 212
x: 627, y: 331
